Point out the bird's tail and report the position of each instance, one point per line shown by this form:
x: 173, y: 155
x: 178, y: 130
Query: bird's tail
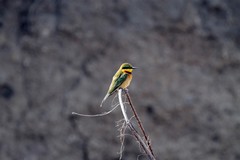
x: 107, y: 95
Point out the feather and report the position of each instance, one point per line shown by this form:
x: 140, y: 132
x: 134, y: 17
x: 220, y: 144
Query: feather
x: 107, y: 95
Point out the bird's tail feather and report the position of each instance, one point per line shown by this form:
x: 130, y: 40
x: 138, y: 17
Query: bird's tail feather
x: 107, y: 95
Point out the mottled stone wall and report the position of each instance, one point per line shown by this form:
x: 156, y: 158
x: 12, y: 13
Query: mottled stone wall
x: 58, y: 56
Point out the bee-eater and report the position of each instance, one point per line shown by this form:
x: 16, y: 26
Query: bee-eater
x: 121, y: 79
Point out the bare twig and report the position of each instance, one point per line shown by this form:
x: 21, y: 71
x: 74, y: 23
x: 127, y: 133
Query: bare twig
x: 138, y: 120
x: 133, y: 130
x: 143, y: 142
x: 122, y: 131
x: 95, y: 115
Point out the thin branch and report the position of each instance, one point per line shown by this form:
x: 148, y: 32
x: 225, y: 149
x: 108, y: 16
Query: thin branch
x: 138, y: 121
x: 95, y: 115
x: 122, y: 106
x: 122, y: 131
x: 133, y: 130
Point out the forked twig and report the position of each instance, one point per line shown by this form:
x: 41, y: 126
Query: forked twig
x: 138, y: 121
x: 144, y: 143
x: 145, y: 146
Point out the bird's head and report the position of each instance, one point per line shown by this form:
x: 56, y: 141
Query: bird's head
x: 127, y: 68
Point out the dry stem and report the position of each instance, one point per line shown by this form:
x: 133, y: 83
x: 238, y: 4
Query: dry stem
x: 146, y: 147
x: 138, y: 121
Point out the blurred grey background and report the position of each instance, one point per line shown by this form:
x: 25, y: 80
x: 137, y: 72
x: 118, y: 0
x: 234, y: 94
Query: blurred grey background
x: 58, y: 56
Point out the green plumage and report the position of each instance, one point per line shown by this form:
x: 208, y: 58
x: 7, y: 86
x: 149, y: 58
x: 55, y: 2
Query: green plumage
x: 122, y: 78
x: 117, y: 83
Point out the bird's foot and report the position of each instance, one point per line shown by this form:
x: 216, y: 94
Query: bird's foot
x: 126, y: 90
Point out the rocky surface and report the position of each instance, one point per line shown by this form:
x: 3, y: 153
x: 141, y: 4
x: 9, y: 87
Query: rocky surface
x: 58, y: 56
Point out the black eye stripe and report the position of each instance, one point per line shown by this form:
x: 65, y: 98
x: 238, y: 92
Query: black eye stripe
x: 127, y: 68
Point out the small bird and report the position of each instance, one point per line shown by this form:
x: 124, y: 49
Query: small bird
x: 121, y: 79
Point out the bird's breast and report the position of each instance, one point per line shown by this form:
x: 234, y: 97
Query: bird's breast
x: 127, y: 82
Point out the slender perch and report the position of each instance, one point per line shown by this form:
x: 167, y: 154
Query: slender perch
x: 138, y: 120
x: 146, y: 147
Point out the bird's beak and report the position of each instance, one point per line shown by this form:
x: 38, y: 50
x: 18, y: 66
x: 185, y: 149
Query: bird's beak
x: 134, y: 67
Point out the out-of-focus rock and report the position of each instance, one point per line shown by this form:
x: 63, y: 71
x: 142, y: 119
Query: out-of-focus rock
x: 59, y: 56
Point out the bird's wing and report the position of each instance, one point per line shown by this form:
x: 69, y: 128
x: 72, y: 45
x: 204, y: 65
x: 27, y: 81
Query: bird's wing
x: 118, y: 82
